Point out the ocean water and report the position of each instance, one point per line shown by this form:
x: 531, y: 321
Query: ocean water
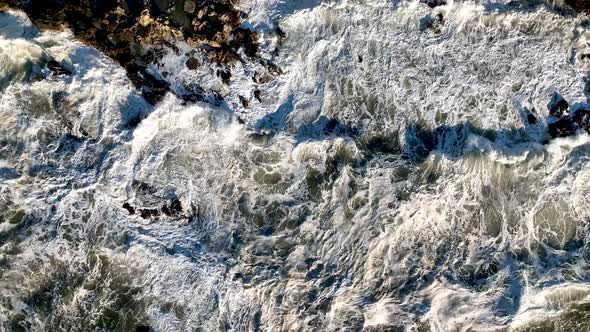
x: 395, y: 175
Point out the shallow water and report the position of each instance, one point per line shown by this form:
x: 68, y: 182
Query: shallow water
x: 390, y: 178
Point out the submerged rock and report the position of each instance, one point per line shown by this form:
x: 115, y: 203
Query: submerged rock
x: 433, y: 23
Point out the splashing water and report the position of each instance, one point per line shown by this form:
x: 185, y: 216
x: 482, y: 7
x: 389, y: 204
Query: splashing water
x: 397, y: 176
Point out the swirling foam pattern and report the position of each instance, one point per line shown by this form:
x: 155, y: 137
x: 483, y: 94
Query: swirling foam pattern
x: 396, y: 176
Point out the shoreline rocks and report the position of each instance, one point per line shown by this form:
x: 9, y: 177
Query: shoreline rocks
x: 136, y: 33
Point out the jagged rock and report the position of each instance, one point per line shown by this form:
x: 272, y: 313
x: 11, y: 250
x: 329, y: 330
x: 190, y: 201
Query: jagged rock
x: 257, y: 94
x: 531, y: 118
x: 562, y: 127
x: 123, y: 29
x: 564, y: 120
x: 581, y: 6
x: 581, y: 118
x: 129, y: 208
x: 174, y: 209
x: 243, y: 101
x: 149, y: 213
x: 57, y: 69
x: 558, y: 105
x: 224, y: 74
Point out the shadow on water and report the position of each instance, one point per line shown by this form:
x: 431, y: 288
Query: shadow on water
x: 276, y: 120
x: 320, y: 129
x: 563, y: 120
x: 416, y: 141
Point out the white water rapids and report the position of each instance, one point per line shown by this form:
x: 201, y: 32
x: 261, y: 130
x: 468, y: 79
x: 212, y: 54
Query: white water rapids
x: 390, y: 179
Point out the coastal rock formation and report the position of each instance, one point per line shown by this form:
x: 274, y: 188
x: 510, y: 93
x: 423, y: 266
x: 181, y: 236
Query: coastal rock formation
x: 137, y: 32
x: 582, y: 6
x: 565, y: 120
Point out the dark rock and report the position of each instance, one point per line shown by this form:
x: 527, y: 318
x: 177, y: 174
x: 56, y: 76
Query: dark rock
x: 124, y: 29
x: 434, y: 3
x: 225, y: 75
x: 192, y: 63
x: 562, y: 127
x: 152, y: 87
x: 243, y: 101
x: 558, y: 105
x: 143, y: 328
x: 581, y: 118
x: 257, y: 94
x: 273, y: 68
x: 432, y: 23
x: 174, y: 209
x: 531, y: 118
x: 149, y: 213
x: 581, y: 6
x: 57, y: 69
x: 244, y: 38
x: 176, y: 205
x: 166, y: 210
x: 129, y: 208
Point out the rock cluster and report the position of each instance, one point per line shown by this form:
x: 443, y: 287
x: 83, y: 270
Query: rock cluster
x: 564, y: 120
x: 173, y: 209
x: 123, y: 28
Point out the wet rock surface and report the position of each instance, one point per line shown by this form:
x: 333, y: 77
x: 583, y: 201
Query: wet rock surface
x: 558, y: 105
x: 582, y: 6
x: 137, y: 33
x: 565, y: 120
x: 171, y: 209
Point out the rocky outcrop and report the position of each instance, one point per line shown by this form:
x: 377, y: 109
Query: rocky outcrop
x: 172, y: 209
x: 565, y: 120
x: 558, y: 105
x: 581, y: 6
x: 122, y: 29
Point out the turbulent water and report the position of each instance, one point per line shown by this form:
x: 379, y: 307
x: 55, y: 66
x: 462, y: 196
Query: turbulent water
x: 396, y: 176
